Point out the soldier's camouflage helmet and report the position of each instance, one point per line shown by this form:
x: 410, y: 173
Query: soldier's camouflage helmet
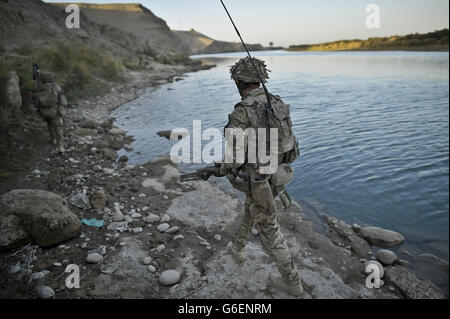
x: 46, y: 77
x: 244, y: 71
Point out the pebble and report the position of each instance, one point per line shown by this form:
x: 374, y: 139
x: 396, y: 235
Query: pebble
x: 144, y: 209
x: 118, y: 216
x: 169, y: 278
x: 45, y: 292
x: 218, y: 237
x: 160, y: 248
x: 102, y: 250
x: 39, y: 275
x: 255, y: 232
x: 57, y: 264
x: 14, y: 269
x: 108, y: 171
x: 163, y: 227
x: 152, y: 218
x: 136, y: 216
x: 137, y: 230
x: 127, y: 219
x: 151, y: 268
x: 147, y: 260
x: 165, y: 218
x: 178, y: 237
x: 172, y: 230
x: 142, y: 195
x: 391, y: 288
x: 94, y: 258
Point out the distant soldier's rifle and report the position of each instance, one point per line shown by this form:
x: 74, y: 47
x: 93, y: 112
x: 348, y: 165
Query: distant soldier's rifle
x: 36, y: 75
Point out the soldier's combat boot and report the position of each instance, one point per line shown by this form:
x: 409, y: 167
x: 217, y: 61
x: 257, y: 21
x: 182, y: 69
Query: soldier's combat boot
x: 238, y: 254
x: 293, y: 288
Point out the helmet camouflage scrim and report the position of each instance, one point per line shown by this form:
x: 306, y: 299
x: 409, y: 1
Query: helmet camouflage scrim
x: 244, y: 71
x: 46, y: 77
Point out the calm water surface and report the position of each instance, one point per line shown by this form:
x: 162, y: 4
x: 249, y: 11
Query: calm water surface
x: 373, y: 130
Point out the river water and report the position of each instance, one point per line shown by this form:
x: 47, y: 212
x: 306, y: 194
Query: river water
x: 373, y: 130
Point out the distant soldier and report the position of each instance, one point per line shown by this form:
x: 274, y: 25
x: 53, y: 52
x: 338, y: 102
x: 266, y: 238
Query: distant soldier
x: 261, y: 189
x: 52, y: 103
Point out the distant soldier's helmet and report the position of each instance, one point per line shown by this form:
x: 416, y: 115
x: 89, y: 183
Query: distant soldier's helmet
x: 244, y: 71
x: 46, y: 77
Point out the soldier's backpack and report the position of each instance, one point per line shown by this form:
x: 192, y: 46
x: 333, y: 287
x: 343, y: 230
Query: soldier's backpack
x: 48, y: 95
x: 280, y: 118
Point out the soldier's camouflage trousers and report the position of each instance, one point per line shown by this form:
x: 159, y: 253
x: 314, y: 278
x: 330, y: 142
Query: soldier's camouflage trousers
x: 56, y: 129
x: 260, y: 211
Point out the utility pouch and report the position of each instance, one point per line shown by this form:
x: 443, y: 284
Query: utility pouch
x: 262, y: 194
x: 283, y: 176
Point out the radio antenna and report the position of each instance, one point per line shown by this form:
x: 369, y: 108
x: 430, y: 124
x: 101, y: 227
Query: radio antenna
x: 269, y: 104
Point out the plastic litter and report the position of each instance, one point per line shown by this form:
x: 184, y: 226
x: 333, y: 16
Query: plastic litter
x: 93, y: 222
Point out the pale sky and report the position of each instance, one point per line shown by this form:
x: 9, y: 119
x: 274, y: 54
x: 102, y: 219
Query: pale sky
x: 288, y: 22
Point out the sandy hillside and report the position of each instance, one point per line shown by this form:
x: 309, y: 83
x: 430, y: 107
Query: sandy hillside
x: 137, y: 20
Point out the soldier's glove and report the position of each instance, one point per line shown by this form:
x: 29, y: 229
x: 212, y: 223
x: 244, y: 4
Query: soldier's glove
x: 221, y: 171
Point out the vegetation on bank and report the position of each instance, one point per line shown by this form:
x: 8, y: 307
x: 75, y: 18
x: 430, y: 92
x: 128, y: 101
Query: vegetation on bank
x: 81, y: 71
x: 437, y: 40
x: 78, y: 69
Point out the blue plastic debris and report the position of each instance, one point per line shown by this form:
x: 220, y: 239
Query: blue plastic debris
x: 93, y: 222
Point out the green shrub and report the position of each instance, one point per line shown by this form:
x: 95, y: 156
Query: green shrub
x: 147, y: 50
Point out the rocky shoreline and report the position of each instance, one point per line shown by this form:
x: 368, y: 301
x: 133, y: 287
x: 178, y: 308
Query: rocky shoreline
x: 139, y: 233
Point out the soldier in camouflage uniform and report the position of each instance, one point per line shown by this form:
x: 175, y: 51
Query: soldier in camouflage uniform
x: 52, y: 103
x: 260, y: 207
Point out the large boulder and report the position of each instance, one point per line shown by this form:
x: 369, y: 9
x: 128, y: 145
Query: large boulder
x: 340, y: 231
x: 410, y: 285
x: 381, y: 237
x: 10, y: 95
x: 12, y: 234
x: 35, y: 215
x: 13, y: 95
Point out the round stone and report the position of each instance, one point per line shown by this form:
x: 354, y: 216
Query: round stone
x: 165, y: 218
x: 172, y: 230
x: 151, y: 268
x: 169, y: 278
x: 147, y: 260
x: 386, y: 257
x: 94, y: 258
x: 163, y: 227
x: 45, y: 292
